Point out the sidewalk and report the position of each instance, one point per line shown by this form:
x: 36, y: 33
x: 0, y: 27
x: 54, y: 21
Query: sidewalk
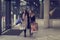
x: 43, y: 33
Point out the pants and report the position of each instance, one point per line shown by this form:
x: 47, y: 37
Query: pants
x: 28, y: 27
x: 25, y: 32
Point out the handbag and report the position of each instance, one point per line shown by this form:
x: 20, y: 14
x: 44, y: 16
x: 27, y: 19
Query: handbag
x: 34, y: 27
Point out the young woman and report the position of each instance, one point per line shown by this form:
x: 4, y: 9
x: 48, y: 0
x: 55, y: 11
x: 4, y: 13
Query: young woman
x: 32, y: 20
x: 25, y: 18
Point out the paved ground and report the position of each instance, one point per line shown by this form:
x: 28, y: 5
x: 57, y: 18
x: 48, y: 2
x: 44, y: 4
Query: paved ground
x: 42, y: 34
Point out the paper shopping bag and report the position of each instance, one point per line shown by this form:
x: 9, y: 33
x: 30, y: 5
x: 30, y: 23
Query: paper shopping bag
x: 34, y: 27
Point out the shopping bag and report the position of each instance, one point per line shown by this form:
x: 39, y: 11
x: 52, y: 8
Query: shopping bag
x: 20, y: 26
x: 34, y: 27
x: 18, y: 21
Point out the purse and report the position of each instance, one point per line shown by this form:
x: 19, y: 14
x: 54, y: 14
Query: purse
x: 34, y: 27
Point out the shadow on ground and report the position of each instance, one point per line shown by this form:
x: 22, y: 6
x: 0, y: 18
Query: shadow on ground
x: 13, y: 32
x: 55, y: 28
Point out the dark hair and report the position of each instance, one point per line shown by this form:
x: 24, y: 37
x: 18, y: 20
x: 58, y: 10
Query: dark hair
x: 26, y: 12
x: 32, y: 11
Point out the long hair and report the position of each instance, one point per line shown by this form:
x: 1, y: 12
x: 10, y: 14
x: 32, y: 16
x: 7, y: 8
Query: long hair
x: 26, y: 12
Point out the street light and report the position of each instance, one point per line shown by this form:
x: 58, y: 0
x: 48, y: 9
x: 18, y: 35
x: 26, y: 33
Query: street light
x: 2, y: 0
x: 34, y: 2
x: 22, y: 0
x: 15, y: 7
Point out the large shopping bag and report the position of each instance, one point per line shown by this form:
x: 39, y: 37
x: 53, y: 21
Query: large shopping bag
x: 34, y: 27
x: 20, y: 26
x: 18, y: 21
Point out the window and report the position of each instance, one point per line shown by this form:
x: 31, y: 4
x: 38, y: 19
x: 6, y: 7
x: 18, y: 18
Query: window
x: 54, y: 9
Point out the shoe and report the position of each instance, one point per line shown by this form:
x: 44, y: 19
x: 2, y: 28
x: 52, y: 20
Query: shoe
x: 24, y: 36
x: 31, y: 34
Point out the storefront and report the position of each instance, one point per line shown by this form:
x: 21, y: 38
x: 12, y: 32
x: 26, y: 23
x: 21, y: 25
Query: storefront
x: 5, y: 15
x: 10, y: 12
x: 0, y: 17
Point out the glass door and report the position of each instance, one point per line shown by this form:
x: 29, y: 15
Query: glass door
x: 3, y: 11
x: 15, y: 10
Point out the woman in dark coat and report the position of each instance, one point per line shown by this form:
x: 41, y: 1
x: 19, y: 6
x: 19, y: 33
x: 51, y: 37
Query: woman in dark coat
x: 32, y: 19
